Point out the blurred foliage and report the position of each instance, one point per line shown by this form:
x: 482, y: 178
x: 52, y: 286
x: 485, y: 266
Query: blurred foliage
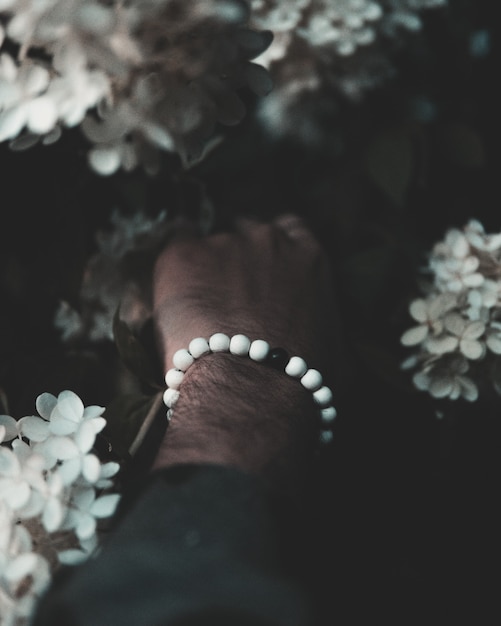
x: 134, y: 355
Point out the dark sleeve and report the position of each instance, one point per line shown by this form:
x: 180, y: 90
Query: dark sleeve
x: 200, y: 546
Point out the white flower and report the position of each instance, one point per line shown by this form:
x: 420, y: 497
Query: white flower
x: 429, y: 313
x: 493, y: 337
x: 19, y: 478
x: 50, y: 486
x: 324, y: 49
x: 466, y: 271
x: 446, y: 379
x: 454, y: 264
x: 23, y: 101
x: 140, y: 77
x: 84, y: 509
x: 482, y: 299
x: 476, y: 236
x: 466, y: 334
x: 107, y: 284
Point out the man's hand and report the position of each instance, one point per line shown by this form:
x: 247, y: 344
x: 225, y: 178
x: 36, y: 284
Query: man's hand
x: 267, y: 281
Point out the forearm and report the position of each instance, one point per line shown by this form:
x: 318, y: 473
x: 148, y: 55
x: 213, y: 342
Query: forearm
x: 238, y: 413
x: 201, y: 545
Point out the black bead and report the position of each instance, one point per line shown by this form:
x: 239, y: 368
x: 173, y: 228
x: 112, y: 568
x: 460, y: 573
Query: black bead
x: 278, y: 358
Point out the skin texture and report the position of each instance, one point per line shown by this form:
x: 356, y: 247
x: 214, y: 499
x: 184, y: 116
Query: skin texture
x: 265, y: 280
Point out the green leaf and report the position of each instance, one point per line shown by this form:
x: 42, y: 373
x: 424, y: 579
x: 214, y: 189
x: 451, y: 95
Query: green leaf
x: 133, y: 353
x: 388, y: 162
x: 128, y: 418
x: 463, y: 146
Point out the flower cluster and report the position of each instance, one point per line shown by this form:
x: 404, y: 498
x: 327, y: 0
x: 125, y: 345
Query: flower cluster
x: 337, y: 44
x: 51, y: 497
x: 111, y: 280
x: 138, y: 77
x: 458, y: 330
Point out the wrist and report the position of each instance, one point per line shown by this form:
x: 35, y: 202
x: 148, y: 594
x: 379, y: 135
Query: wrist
x: 238, y: 413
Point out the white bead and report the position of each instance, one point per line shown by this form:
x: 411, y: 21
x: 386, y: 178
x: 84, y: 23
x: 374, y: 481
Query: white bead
x: 323, y: 396
x: 312, y: 380
x: 198, y: 347
x: 171, y: 396
x: 328, y: 414
x: 240, y: 344
x: 182, y: 359
x: 174, y: 378
x: 259, y: 350
x: 296, y: 367
x: 219, y: 342
x: 169, y: 415
x: 326, y: 436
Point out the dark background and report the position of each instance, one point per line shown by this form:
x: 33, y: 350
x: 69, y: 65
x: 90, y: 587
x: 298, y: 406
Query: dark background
x: 402, y: 518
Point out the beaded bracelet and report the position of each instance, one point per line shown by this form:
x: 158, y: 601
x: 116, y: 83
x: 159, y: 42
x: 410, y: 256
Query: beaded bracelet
x: 261, y: 352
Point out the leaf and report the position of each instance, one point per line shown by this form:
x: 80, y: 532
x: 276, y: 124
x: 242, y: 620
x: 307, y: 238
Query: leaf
x: 388, y: 162
x: 133, y: 353
x: 126, y: 417
x: 463, y: 146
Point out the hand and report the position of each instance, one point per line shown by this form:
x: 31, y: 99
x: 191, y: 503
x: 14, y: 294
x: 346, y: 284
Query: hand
x: 268, y: 281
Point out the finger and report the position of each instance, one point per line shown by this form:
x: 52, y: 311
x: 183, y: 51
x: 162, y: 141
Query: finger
x: 244, y: 225
x: 295, y: 229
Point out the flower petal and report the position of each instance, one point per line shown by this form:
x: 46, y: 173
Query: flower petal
x: 455, y: 391
x: 421, y: 381
x: 15, y: 494
x: 34, y: 428
x: 472, y: 349
x: 53, y: 515
x: 441, y: 387
x: 83, y: 498
x: 34, y: 505
x: 9, y: 463
x: 473, y: 280
x: 414, y: 336
x: 91, y: 468
x: 441, y: 345
x: 474, y: 330
x: 98, y: 423
x: 20, y: 567
x: 72, y: 557
x: 12, y: 122
x: 470, y: 391
x: 71, y: 405
x: 105, y: 161
x: 62, y: 448
x: 45, y: 404
x: 441, y: 305
x: 93, y: 411
x: 109, y: 469
x: 105, y: 506
x: 70, y: 470
x: 86, y: 526
x: 85, y: 436
x: 10, y: 425
x: 419, y: 310
x: 494, y: 343
x: 455, y: 324
x: 42, y: 115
